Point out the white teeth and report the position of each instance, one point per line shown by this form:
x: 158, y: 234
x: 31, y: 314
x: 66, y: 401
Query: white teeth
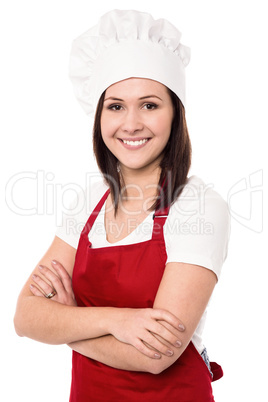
x: 135, y: 143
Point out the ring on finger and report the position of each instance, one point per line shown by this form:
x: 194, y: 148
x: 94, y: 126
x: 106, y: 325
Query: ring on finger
x: 51, y: 294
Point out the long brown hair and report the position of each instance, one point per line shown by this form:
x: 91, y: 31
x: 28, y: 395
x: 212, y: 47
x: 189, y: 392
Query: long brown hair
x: 174, y: 165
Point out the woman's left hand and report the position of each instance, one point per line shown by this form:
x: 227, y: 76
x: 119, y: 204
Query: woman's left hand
x: 56, y: 280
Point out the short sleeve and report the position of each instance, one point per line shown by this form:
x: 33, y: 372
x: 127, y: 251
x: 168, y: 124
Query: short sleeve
x: 197, y: 230
x: 76, y: 215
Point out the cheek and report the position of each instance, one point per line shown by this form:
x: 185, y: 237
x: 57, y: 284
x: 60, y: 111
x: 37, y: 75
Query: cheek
x: 105, y: 129
x: 108, y: 127
x: 163, y: 128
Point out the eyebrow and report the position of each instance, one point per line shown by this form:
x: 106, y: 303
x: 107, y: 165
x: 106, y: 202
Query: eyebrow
x: 142, y: 98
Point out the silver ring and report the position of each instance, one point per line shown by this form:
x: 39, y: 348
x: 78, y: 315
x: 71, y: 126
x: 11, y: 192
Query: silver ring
x: 50, y: 295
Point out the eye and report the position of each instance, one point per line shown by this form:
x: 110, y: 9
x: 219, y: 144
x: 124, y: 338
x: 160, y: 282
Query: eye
x: 150, y: 106
x: 115, y: 107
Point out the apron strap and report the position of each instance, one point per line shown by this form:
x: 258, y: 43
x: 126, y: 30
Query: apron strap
x: 94, y: 214
x: 159, y: 218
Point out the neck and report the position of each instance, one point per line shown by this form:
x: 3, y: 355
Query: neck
x: 140, y: 184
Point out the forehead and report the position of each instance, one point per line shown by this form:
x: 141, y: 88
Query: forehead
x: 137, y: 87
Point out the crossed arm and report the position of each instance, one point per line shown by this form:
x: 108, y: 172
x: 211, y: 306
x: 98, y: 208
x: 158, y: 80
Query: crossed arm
x: 130, y: 339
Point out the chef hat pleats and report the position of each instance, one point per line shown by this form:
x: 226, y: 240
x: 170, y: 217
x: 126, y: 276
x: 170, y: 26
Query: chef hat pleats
x: 126, y: 44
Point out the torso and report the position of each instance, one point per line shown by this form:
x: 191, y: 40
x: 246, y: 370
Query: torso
x: 129, y: 276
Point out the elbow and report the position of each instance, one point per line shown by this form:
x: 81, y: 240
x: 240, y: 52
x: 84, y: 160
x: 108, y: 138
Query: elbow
x: 156, y: 370
x: 21, y: 320
x: 17, y: 326
x: 158, y: 366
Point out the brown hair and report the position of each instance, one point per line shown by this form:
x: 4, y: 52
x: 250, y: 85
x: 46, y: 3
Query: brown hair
x: 174, y: 165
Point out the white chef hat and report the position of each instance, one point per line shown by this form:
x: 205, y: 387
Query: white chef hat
x: 126, y: 44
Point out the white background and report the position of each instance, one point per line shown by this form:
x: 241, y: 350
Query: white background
x: 44, y: 132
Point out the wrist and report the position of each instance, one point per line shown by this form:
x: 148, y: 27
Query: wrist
x: 113, y: 318
x: 108, y: 319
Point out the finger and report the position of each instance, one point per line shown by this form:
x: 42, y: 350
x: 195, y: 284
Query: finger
x: 170, y: 318
x: 35, y: 291
x: 141, y: 347
x: 156, y: 343
x: 63, y: 274
x: 42, y: 285
x: 53, y: 278
x: 174, y: 331
x: 160, y: 330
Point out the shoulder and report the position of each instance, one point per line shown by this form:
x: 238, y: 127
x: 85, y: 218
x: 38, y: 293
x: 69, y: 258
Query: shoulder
x: 197, y: 229
x: 86, y: 200
x: 76, y: 215
x: 199, y: 199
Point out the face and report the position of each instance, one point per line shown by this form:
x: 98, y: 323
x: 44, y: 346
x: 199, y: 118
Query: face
x: 136, y: 122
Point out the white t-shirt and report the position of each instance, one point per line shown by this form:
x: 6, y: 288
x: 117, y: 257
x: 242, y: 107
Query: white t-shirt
x: 196, y: 230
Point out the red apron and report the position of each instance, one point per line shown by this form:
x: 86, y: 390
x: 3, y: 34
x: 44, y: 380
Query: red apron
x: 129, y: 276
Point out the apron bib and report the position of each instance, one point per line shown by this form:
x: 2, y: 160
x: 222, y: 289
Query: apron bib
x: 129, y: 276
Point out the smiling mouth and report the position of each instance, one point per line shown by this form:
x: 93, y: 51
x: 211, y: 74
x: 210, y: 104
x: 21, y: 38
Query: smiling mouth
x: 135, y: 143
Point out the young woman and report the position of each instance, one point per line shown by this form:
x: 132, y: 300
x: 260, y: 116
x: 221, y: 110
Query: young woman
x: 129, y: 292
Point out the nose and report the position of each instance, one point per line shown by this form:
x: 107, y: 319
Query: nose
x: 132, y: 122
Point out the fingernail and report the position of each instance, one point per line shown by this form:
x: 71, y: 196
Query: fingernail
x: 178, y: 344
x: 169, y: 353
x: 157, y: 356
x: 40, y: 267
x: 54, y: 262
x: 34, y: 276
x: 182, y: 327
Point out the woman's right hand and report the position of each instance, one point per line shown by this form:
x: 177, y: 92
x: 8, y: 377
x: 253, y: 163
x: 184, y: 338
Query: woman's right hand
x: 57, y: 281
x: 142, y: 329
